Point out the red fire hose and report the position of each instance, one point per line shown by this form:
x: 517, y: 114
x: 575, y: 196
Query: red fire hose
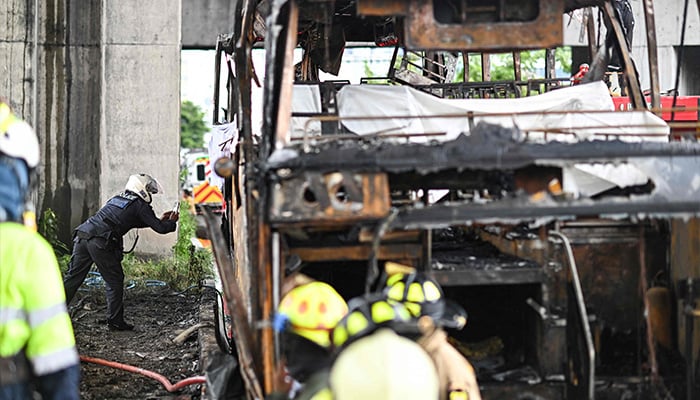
x: 160, y: 378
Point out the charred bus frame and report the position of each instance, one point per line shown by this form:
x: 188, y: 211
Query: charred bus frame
x: 576, y: 277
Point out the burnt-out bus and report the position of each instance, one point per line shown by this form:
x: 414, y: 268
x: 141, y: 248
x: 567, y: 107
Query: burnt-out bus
x: 565, y: 227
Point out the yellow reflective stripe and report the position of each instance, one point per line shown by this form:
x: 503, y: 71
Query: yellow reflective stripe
x: 55, y: 361
x: 11, y: 314
x: 50, y: 337
x: 432, y: 292
x: 415, y: 293
x: 413, y: 308
x: 356, y: 323
x: 396, y: 291
x: 340, y: 335
x: 458, y: 395
x: 393, y: 279
x: 38, y: 317
x: 382, y: 312
x: 33, y: 318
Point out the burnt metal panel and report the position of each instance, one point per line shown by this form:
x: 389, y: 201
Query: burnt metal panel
x: 509, y: 211
x: 330, y: 198
x: 382, y: 7
x: 609, y: 263
x: 470, y: 277
x: 487, y: 147
x: 400, y: 7
x: 684, y: 260
x: 358, y: 252
x: 423, y: 31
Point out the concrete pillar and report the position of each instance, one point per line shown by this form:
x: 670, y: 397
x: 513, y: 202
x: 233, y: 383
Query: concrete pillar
x: 103, y: 92
x: 140, y: 118
x: 204, y: 20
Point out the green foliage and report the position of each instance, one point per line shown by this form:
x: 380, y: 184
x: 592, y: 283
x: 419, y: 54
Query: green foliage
x: 502, y: 65
x: 187, y: 267
x: 192, y: 126
x: 48, y: 228
x: 200, y: 261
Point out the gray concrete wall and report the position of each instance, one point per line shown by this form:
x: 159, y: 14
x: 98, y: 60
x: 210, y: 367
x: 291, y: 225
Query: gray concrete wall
x: 103, y: 95
x: 204, y: 20
x: 140, y: 123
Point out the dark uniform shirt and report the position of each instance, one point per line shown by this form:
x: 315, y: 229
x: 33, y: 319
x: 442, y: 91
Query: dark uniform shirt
x: 120, y: 214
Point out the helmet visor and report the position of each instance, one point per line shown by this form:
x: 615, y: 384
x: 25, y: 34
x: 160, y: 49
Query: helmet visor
x: 153, y: 187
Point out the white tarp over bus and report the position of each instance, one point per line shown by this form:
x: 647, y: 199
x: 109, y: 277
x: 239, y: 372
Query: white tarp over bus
x: 405, y: 110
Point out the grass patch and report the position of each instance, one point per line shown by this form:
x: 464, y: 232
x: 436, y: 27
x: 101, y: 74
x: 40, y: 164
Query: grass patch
x: 187, y: 265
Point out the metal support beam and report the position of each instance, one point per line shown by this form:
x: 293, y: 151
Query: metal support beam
x: 587, y: 378
x: 634, y: 92
x: 550, y: 66
x: 650, y: 21
x: 590, y: 33
x: 517, y: 72
x: 485, y: 67
x: 465, y: 65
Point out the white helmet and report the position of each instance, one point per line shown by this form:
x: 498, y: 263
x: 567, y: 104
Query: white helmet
x: 144, y: 186
x: 17, y: 138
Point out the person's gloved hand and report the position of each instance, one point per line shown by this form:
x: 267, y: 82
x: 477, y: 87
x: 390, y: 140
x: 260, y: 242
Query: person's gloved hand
x: 170, y: 215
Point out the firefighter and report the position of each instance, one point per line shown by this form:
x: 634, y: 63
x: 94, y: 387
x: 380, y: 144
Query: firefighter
x: 37, y: 346
x: 383, y: 366
x: 99, y: 240
x: 425, y: 300
x: 306, y: 315
x: 370, y: 313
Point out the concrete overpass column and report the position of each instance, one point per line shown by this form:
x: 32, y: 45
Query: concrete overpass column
x: 140, y: 95
x: 100, y: 82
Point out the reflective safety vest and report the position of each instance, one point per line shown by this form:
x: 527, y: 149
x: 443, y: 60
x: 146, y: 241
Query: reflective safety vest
x: 33, y: 314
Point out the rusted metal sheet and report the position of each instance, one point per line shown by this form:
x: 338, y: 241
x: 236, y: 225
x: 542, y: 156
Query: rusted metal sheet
x: 358, y: 253
x: 235, y: 300
x: 472, y: 277
x: 330, y: 198
x: 367, y: 236
x: 590, y: 33
x: 685, y: 263
x: 650, y: 22
x: 610, y: 266
x: 382, y: 7
x: 485, y: 67
x: 422, y: 31
x: 517, y: 71
x: 265, y: 290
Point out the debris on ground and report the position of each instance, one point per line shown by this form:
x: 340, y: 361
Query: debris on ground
x: 160, y: 315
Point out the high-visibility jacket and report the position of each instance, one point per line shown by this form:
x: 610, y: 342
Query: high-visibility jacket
x: 33, y: 316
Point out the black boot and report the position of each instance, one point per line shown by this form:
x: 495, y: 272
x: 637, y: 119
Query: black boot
x: 119, y: 326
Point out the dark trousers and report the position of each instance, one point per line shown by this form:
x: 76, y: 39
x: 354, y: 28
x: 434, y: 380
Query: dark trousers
x: 108, y: 260
x: 61, y: 385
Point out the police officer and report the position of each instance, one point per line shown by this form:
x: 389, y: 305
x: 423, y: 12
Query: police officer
x: 99, y: 240
x: 37, y: 346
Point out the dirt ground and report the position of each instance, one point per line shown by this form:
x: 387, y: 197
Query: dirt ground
x: 159, y: 315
